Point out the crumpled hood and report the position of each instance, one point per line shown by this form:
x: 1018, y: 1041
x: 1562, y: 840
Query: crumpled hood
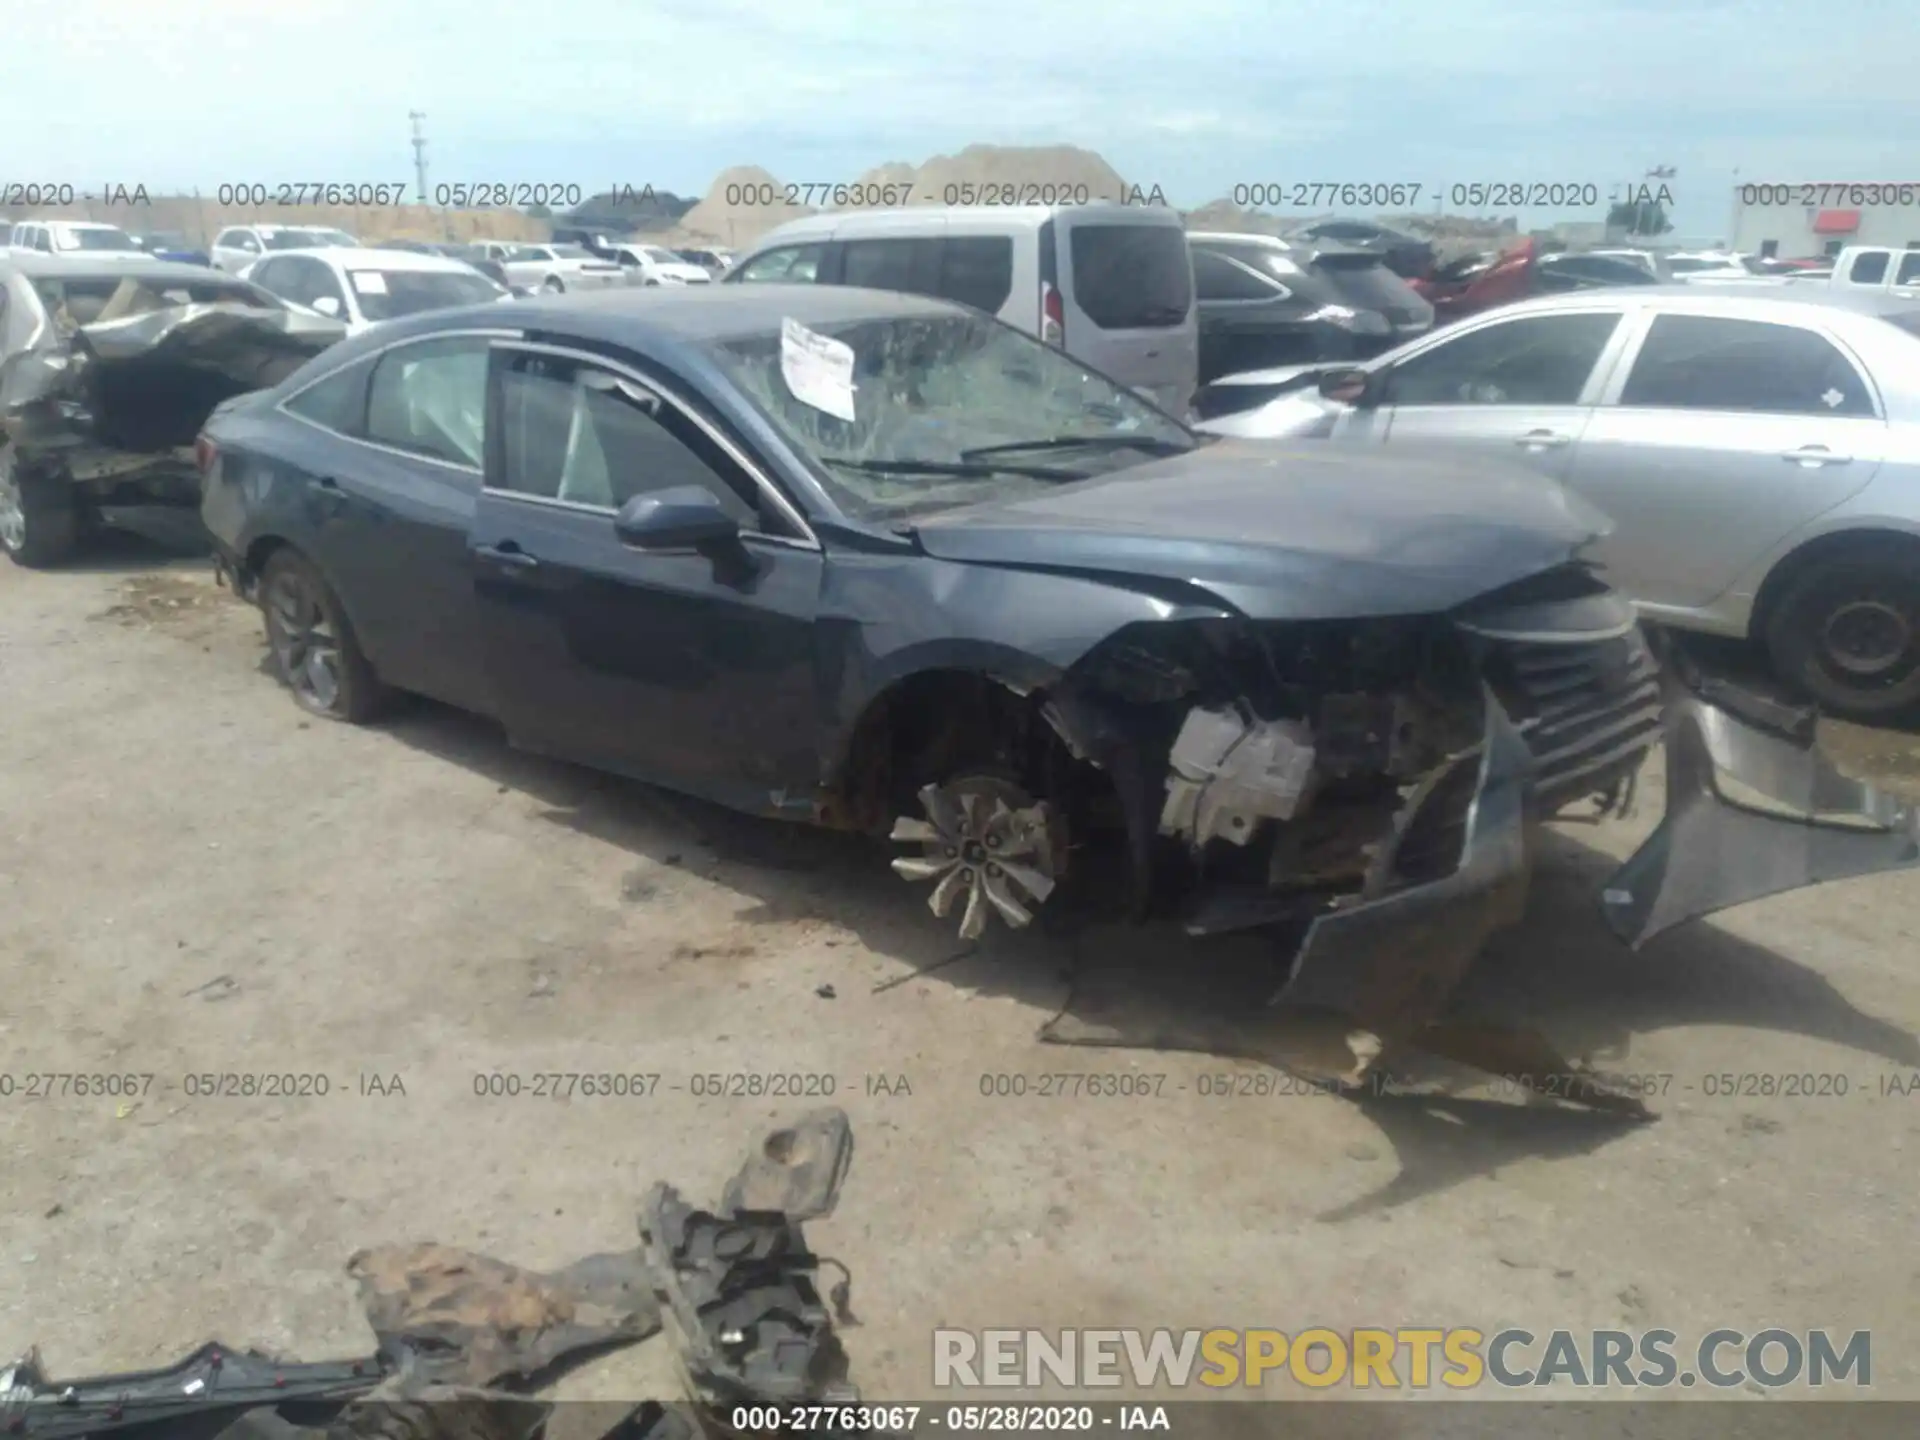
x: 1285, y: 532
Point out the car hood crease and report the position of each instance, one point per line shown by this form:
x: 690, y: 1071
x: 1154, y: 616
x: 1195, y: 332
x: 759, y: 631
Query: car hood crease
x: 1285, y: 533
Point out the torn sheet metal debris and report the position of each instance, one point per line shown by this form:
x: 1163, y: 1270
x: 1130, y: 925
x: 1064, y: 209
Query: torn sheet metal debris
x: 474, y: 1320
x: 460, y: 1333
x: 796, y: 1169
x: 739, y: 1297
x: 818, y: 369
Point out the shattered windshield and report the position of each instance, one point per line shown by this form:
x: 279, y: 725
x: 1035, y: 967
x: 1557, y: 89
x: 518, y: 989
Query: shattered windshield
x: 945, y: 410
x: 387, y: 294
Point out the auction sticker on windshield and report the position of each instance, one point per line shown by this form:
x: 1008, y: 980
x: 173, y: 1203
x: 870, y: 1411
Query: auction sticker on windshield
x: 369, y: 282
x: 818, y: 369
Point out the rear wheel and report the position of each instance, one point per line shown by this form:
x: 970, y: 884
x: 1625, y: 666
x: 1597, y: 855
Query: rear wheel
x: 314, y: 649
x: 41, y: 519
x: 1847, y: 631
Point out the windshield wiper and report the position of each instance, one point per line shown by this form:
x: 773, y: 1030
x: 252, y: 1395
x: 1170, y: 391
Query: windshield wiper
x: 1082, y: 442
x: 962, y: 468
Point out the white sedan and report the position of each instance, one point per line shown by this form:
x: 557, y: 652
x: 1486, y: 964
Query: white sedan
x: 553, y: 267
x: 651, y: 265
x: 364, y: 287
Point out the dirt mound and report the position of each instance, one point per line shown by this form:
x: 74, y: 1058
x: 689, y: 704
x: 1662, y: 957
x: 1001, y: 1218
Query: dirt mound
x: 745, y: 202
x: 742, y: 204
x: 1004, y: 175
x: 1226, y: 217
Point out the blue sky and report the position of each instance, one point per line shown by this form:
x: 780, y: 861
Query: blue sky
x: 1195, y: 96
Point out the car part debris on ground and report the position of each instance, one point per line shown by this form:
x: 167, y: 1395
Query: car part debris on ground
x: 464, y: 1338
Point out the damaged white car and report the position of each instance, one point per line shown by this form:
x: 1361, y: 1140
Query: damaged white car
x: 107, y: 372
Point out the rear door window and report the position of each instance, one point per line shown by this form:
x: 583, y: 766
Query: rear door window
x: 1702, y: 362
x: 791, y: 264
x: 1131, y: 277
x: 1537, y: 360
x: 1218, y: 278
x: 1869, y: 269
x: 338, y: 402
x: 1909, y: 272
x: 908, y: 264
x: 430, y: 399
x: 977, y: 270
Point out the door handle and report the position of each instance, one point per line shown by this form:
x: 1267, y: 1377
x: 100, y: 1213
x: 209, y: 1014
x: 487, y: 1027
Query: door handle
x: 508, y: 556
x: 327, y: 482
x: 1812, y: 457
x: 1542, y: 440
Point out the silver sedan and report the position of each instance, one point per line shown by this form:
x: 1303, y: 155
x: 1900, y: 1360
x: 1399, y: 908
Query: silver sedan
x: 1759, y: 455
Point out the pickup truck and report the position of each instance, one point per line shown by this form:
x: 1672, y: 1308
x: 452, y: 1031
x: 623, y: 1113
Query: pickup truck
x: 1880, y: 268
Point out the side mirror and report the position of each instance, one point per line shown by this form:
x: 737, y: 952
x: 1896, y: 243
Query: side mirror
x: 685, y: 517
x: 1347, y: 385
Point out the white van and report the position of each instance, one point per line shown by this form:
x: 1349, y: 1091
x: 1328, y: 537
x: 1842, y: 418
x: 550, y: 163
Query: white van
x: 1112, y: 285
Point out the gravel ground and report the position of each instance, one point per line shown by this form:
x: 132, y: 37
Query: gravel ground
x: 196, y: 879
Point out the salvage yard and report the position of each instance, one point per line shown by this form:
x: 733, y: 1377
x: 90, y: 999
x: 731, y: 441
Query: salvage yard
x: 198, y: 880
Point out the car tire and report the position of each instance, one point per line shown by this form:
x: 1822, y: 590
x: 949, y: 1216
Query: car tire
x: 1846, y: 631
x: 42, y: 519
x: 315, y: 652
x: 554, y: 285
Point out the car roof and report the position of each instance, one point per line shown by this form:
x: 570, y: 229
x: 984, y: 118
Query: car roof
x: 1232, y: 236
x: 1735, y: 301
x: 277, y: 229
x: 1002, y: 217
x: 667, y: 316
x: 347, y: 257
x: 106, y: 267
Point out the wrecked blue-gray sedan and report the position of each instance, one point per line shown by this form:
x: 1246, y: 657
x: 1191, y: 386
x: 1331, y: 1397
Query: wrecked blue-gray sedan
x: 884, y: 564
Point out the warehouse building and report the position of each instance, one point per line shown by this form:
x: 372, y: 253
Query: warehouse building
x: 1820, y: 217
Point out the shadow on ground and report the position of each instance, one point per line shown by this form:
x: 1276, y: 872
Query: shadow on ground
x: 139, y: 540
x: 1561, y: 972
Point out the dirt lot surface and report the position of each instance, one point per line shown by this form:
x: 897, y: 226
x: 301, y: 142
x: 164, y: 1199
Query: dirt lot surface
x: 195, y: 879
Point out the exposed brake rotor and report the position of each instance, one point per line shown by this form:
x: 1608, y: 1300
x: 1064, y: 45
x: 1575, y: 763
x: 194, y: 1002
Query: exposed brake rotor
x: 987, y: 839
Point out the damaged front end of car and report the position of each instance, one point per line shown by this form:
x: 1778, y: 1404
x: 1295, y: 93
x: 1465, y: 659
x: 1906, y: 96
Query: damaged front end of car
x: 106, y: 381
x: 1368, y: 788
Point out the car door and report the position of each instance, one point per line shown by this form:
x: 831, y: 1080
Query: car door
x: 393, y: 478
x: 691, y: 670
x: 1718, y: 438
x: 1517, y: 389
x: 235, y: 250
x: 1126, y: 289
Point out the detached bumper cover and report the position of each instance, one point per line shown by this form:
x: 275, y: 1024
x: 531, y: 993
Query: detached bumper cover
x: 1751, y: 812
x: 1752, y: 809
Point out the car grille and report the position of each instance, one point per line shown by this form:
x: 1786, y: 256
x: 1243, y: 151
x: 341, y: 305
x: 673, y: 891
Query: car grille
x: 1590, y: 711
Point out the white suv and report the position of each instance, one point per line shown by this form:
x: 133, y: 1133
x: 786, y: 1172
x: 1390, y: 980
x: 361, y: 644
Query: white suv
x: 238, y: 246
x: 74, y: 237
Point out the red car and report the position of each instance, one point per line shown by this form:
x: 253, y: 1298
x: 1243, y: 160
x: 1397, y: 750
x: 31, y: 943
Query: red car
x: 1479, y: 282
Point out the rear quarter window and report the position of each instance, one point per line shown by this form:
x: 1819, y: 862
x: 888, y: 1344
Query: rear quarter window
x: 1131, y: 277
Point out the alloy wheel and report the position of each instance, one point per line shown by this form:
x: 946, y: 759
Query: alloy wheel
x: 305, y: 645
x: 13, y: 515
x: 1865, y: 639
